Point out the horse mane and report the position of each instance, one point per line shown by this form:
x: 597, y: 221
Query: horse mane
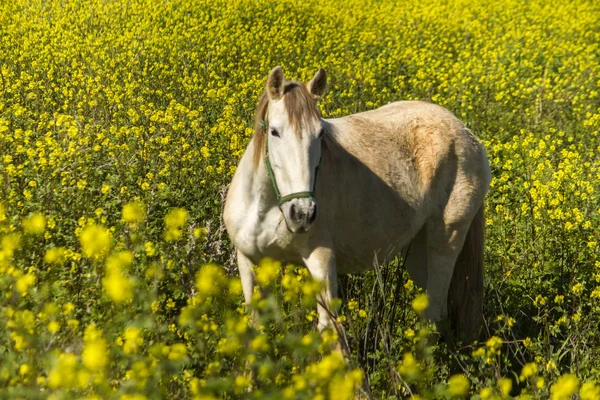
x: 300, y: 106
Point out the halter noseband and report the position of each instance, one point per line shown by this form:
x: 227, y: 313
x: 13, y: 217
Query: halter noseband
x: 298, y: 195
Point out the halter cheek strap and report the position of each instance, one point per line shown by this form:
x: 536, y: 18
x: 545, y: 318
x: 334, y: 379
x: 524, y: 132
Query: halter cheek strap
x: 298, y: 195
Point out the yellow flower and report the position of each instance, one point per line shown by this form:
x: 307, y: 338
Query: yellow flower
x: 24, y: 369
x: 95, y: 354
x: 55, y: 255
x: 409, y: 369
x: 505, y: 386
x: 73, y: 324
x: 539, y: 300
x: 200, y: 233
x: 83, y: 379
x: 260, y: 343
x: 133, y: 213
x: 326, y: 368
x: 564, y: 387
x: 494, y: 343
x: 118, y: 287
x: 539, y: 383
x: 133, y: 340
x: 267, y: 271
x: 529, y: 370
x: 479, y: 353
x: 95, y: 241
x: 149, y: 248
x: 24, y: 282
x: 486, y: 393
x: 63, y: 374
x: 342, y: 387
x: 68, y: 308
x: 177, y: 352
x: 53, y: 327
x: 242, y: 383
x: 174, y: 222
x: 116, y: 284
x: 559, y: 299
x: 210, y: 280
x: 589, y: 391
x: 420, y: 303
x: 458, y: 385
x: 35, y: 224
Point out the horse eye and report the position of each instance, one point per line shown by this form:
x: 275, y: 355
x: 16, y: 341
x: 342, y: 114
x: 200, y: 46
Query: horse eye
x: 274, y: 132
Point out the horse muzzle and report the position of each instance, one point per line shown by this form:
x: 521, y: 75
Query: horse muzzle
x: 299, y: 214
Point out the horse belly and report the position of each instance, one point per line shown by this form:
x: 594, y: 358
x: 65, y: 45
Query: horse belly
x: 378, y: 242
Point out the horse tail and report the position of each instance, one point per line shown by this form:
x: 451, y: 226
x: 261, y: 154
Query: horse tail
x: 465, y: 297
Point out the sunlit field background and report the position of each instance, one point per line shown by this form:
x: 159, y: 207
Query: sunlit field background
x: 122, y: 122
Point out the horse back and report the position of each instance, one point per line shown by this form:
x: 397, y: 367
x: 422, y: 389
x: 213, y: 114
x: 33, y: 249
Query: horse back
x: 390, y: 169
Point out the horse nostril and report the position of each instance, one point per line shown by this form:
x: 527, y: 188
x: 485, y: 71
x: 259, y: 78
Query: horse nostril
x: 293, y: 212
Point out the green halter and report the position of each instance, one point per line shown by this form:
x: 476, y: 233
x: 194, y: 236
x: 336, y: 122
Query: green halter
x: 298, y: 195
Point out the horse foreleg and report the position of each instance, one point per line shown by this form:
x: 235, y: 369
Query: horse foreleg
x: 416, y: 259
x: 321, y: 264
x: 248, y: 279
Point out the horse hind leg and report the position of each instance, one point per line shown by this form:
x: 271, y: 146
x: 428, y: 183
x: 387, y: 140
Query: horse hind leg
x: 465, y: 298
x: 444, y: 243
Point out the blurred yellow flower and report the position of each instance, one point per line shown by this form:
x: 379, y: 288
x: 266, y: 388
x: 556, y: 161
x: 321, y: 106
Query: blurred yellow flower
x: 409, y: 369
x: 133, y: 213
x: 24, y: 282
x: 63, y: 374
x: 564, y: 387
x: 210, y: 280
x: 35, y: 224
x: 95, y: 354
x: 505, y: 386
x: 420, y: 303
x: 53, y: 327
x: 267, y: 270
x: 174, y: 222
x: 458, y: 385
x: 55, y: 255
x: 133, y: 339
x: 24, y: 369
x: 589, y: 391
x: 177, y: 352
x: 95, y: 241
x: 528, y: 371
x: 118, y: 287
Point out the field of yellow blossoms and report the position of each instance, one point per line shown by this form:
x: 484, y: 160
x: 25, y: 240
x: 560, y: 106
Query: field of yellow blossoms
x: 122, y: 121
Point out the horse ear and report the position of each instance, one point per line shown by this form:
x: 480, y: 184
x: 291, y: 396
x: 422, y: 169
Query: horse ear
x: 318, y: 84
x: 275, y: 83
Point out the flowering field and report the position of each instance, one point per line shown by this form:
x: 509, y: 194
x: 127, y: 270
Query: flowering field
x: 122, y: 121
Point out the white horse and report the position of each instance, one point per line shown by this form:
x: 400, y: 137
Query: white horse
x: 408, y: 175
